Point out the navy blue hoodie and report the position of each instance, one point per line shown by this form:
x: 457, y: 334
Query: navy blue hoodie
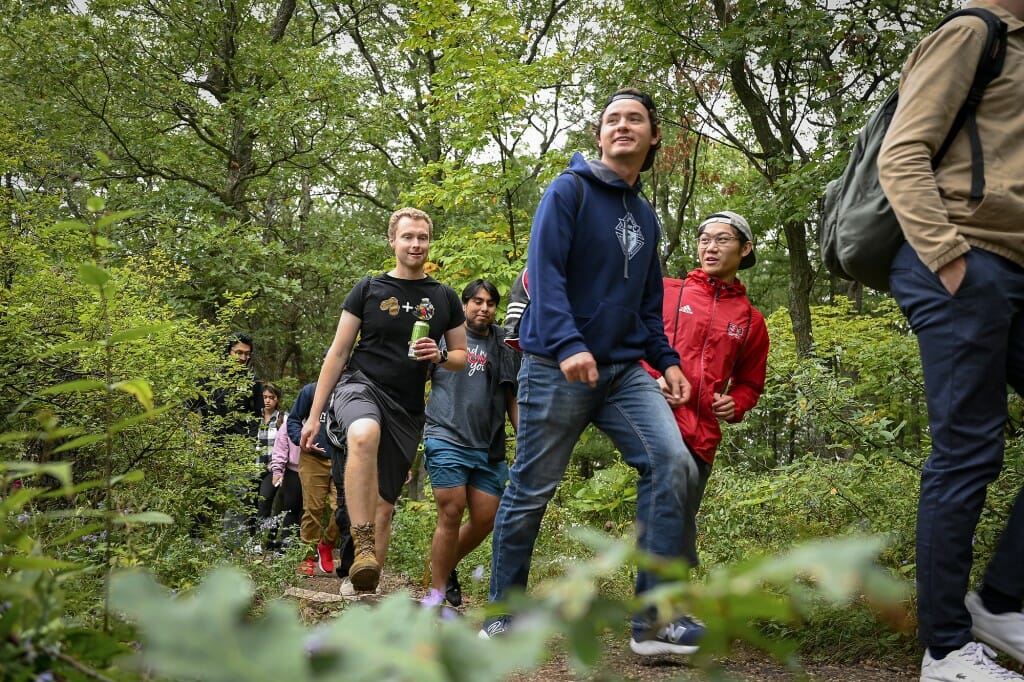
x: 595, y: 281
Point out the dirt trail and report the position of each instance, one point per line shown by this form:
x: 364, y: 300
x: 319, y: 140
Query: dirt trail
x: 319, y: 597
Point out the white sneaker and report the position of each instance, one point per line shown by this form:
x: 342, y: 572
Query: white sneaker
x: 347, y: 588
x: 970, y: 663
x: 1004, y: 631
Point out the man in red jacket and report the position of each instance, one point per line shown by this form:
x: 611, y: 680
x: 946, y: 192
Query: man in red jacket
x: 722, y: 343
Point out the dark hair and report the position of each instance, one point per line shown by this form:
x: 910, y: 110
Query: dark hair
x: 240, y: 337
x: 652, y: 113
x: 273, y: 388
x: 478, y: 284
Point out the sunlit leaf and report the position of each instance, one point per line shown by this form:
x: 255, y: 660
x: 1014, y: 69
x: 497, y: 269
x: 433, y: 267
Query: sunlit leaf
x: 139, y: 388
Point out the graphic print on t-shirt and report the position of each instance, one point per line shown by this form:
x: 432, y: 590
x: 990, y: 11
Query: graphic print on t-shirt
x: 390, y: 305
x: 476, y: 359
x: 425, y: 310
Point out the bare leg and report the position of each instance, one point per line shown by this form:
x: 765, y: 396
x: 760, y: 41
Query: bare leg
x: 444, y: 550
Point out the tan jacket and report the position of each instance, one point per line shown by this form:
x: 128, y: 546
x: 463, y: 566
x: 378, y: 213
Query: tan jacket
x: 933, y: 208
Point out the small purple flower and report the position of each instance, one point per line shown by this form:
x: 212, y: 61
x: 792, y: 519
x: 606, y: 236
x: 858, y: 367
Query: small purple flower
x: 45, y: 677
x: 24, y: 517
x: 478, y: 574
x: 316, y: 643
x: 434, y: 598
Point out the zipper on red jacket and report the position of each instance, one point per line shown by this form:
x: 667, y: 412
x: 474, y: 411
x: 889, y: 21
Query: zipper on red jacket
x: 707, y: 336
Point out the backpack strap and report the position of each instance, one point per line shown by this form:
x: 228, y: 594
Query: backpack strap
x: 990, y: 66
x: 579, y: 191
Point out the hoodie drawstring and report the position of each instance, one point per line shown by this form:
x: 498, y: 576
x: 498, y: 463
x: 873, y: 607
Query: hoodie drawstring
x: 624, y: 241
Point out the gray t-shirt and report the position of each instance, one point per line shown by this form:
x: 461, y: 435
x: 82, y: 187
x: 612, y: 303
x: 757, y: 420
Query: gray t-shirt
x: 467, y: 408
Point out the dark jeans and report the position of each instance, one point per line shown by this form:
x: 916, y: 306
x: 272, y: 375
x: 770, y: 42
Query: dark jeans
x: 339, y: 455
x: 972, y: 346
x: 290, y: 502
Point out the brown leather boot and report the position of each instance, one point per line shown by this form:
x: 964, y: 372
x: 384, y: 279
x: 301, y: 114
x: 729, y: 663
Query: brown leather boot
x: 365, y: 571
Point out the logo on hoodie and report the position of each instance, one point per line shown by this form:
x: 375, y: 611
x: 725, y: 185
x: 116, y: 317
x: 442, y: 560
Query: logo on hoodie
x: 630, y: 236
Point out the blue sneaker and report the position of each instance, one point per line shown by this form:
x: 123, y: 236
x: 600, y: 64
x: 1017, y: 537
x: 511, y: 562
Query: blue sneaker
x: 681, y: 636
x: 494, y: 627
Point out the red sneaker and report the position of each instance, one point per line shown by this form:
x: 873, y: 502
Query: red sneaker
x: 324, y: 558
x: 307, y: 567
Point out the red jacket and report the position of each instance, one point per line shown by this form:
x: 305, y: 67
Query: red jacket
x: 722, y: 343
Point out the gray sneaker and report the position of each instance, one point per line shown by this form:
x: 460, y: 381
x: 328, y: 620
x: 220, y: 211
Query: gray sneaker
x: 494, y: 627
x: 1004, y: 631
x: 973, y: 662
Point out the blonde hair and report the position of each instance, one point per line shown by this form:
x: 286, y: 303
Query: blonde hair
x: 412, y: 214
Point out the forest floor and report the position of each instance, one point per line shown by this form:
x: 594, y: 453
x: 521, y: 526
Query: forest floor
x: 319, y: 593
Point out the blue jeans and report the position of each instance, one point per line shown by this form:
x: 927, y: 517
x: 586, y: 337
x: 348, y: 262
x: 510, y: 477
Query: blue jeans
x: 972, y: 346
x: 628, y: 406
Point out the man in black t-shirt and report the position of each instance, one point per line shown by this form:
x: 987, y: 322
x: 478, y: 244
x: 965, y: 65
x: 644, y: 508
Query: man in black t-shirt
x: 377, y: 402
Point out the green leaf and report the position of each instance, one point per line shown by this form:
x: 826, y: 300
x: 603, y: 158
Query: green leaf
x: 128, y: 422
x: 93, y: 275
x: 13, y: 436
x: 115, y: 217
x: 80, y: 442
x: 59, y: 470
x: 77, y: 386
x: 142, y: 518
x: 139, y: 388
x: 35, y: 563
x: 95, y: 204
x: 70, y: 226
x: 138, y: 333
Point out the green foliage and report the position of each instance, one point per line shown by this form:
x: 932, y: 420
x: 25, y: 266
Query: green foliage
x: 209, y: 635
x: 861, y: 393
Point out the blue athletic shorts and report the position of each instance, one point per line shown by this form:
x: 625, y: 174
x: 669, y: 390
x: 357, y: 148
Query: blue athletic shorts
x: 452, y: 466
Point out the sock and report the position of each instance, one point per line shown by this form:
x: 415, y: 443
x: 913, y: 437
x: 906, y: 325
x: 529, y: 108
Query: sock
x: 998, y: 602
x: 940, y: 652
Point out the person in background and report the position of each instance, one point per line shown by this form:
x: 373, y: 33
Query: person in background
x: 230, y: 412
x: 282, y: 483
x: 464, y: 439
x: 317, y: 485
x: 271, y: 421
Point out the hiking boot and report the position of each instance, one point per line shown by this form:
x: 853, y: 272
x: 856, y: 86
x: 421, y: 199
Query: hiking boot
x: 494, y: 627
x: 973, y: 661
x: 307, y: 567
x: 1004, y: 631
x: 681, y: 636
x: 453, y: 591
x: 324, y: 559
x: 365, y: 571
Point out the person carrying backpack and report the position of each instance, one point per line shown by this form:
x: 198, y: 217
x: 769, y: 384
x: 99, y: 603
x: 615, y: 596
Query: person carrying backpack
x: 959, y: 279
x: 595, y: 310
x: 374, y: 374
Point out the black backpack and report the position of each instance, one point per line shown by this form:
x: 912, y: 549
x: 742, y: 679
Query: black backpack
x: 860, y: 234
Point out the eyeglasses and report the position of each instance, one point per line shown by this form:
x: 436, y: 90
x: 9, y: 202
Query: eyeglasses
x: 720, y: 239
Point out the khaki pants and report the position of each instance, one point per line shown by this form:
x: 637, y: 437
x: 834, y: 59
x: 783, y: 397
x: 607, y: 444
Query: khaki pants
x: 317, y: 489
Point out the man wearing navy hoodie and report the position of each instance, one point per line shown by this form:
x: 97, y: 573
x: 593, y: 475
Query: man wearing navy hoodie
x: 594, y: 312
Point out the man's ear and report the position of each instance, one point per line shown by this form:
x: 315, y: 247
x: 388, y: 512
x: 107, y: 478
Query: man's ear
x: 657, y: 136
x: 747, y: 248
